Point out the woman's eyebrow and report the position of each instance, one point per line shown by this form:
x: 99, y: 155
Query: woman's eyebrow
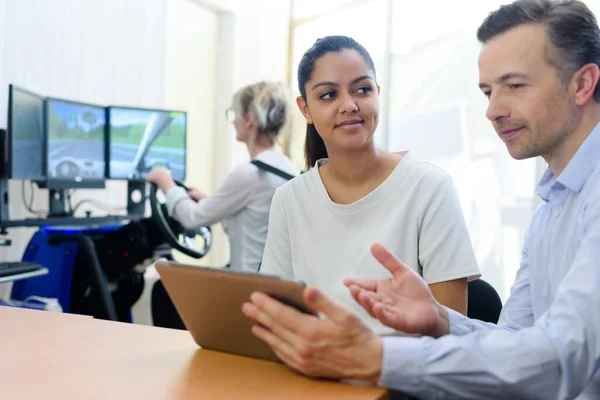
x: 328, y: 83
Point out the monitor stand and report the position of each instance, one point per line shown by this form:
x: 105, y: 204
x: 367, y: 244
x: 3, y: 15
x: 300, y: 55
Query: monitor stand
x: 4, y: 200
x: 136, y: 198
x: 58, y: 203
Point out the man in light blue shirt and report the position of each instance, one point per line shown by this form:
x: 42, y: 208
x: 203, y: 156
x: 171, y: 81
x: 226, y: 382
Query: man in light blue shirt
x: 539, y: 68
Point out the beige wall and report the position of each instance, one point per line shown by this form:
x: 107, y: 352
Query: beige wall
x: 263, y: 47
x: 191, y: 56
x: 252, y: 46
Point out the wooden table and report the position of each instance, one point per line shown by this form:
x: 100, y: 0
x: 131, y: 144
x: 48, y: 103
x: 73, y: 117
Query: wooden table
x: 63, y: 356
x: 20, y: 321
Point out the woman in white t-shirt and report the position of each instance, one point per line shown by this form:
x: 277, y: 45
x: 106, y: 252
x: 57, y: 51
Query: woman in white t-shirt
x: 258, y: 112
x: 324, y: 221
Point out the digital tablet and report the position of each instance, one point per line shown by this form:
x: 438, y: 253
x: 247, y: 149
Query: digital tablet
x: 209, y: 302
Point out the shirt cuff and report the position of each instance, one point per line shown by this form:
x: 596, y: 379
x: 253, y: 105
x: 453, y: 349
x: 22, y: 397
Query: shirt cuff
x: 174, y: 196
x: 458, y: 323
x: 403, y: 364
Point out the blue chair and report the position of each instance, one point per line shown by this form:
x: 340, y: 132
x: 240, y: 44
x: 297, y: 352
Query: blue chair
x: 59, y: 252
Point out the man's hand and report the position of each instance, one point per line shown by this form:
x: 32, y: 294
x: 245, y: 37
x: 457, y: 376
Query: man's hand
x: 196, y: 194
x: 337, y: 346
x: 403, y: 302
x: 161, y: 177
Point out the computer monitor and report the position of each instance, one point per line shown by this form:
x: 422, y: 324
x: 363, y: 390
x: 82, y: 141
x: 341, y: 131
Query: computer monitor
x: 141, y: 139
x: 25, y: 140
x: 77, y: 144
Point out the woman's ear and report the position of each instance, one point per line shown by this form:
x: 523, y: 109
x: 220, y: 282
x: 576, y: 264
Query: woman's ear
x: 249, y: 121
x: 303, y: 107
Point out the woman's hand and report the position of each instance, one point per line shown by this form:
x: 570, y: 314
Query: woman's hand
x: 161, y: 177
x: 196, y: 194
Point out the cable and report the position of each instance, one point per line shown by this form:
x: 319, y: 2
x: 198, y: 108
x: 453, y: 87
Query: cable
x: 68, y: 194
x: 29, y: 205
x: 103, y: 206
x: 50, y: 304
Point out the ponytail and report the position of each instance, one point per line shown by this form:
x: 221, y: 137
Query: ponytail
x: 314, y: 147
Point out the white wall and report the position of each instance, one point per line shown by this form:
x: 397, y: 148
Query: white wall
x: 99, y: 51
x: 3, y: 97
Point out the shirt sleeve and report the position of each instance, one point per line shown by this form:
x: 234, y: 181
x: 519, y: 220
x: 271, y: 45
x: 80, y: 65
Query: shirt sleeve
x: 516, y: 314
x: 445, y: 249
x: 235, y: 194
x: 553, y: 357
x: 277, y: 258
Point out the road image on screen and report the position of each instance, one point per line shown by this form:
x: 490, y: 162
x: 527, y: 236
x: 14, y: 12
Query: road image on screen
x: 26, y: 121
x: 141, y: 139
x: 76, y: 141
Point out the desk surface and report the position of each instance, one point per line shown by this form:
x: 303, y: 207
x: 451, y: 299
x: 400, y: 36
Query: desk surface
x: 87, y: 358
x: 20, y: 321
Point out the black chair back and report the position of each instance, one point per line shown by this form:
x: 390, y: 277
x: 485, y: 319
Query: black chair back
x: 484, y: 302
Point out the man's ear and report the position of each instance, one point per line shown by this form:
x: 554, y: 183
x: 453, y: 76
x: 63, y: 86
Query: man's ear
x: 585, y: 81
x: 303, y: 107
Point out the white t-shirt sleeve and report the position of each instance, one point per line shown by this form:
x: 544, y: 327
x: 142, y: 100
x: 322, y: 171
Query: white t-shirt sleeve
x: 231, y: 197
x: 445, y: 249
x: 277, y: 258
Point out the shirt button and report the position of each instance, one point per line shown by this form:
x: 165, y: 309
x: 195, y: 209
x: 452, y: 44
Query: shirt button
x: 556, y: 213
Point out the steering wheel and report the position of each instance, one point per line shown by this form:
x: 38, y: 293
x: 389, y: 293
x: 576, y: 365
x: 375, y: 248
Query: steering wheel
x: 172, y: 231
x: 67, y: 169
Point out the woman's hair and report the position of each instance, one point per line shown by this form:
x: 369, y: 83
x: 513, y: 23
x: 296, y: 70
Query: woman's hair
x: 314, y: 148
x: 268, y: 102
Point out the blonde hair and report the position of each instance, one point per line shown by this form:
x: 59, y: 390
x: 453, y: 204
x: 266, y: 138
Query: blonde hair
x: 268, y: 102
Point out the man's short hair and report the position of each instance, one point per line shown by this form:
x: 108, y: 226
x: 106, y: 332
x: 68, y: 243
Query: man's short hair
x: 571, y: 27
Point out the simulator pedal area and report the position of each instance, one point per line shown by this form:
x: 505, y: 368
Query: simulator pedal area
x: 92, y: 265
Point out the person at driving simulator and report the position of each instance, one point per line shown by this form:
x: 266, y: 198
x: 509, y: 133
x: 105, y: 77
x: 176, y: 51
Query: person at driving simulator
x: 258, y: 112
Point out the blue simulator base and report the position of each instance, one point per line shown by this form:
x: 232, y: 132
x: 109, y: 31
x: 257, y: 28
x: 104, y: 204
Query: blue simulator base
x: 57, y: 248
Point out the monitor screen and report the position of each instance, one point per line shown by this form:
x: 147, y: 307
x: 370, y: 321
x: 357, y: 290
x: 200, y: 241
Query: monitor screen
x: 76, y: 153
x: 25, y: 134
x: 141, y: 139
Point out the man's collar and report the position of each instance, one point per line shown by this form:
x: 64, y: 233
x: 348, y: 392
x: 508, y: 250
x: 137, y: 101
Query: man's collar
x: 577, y: 170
